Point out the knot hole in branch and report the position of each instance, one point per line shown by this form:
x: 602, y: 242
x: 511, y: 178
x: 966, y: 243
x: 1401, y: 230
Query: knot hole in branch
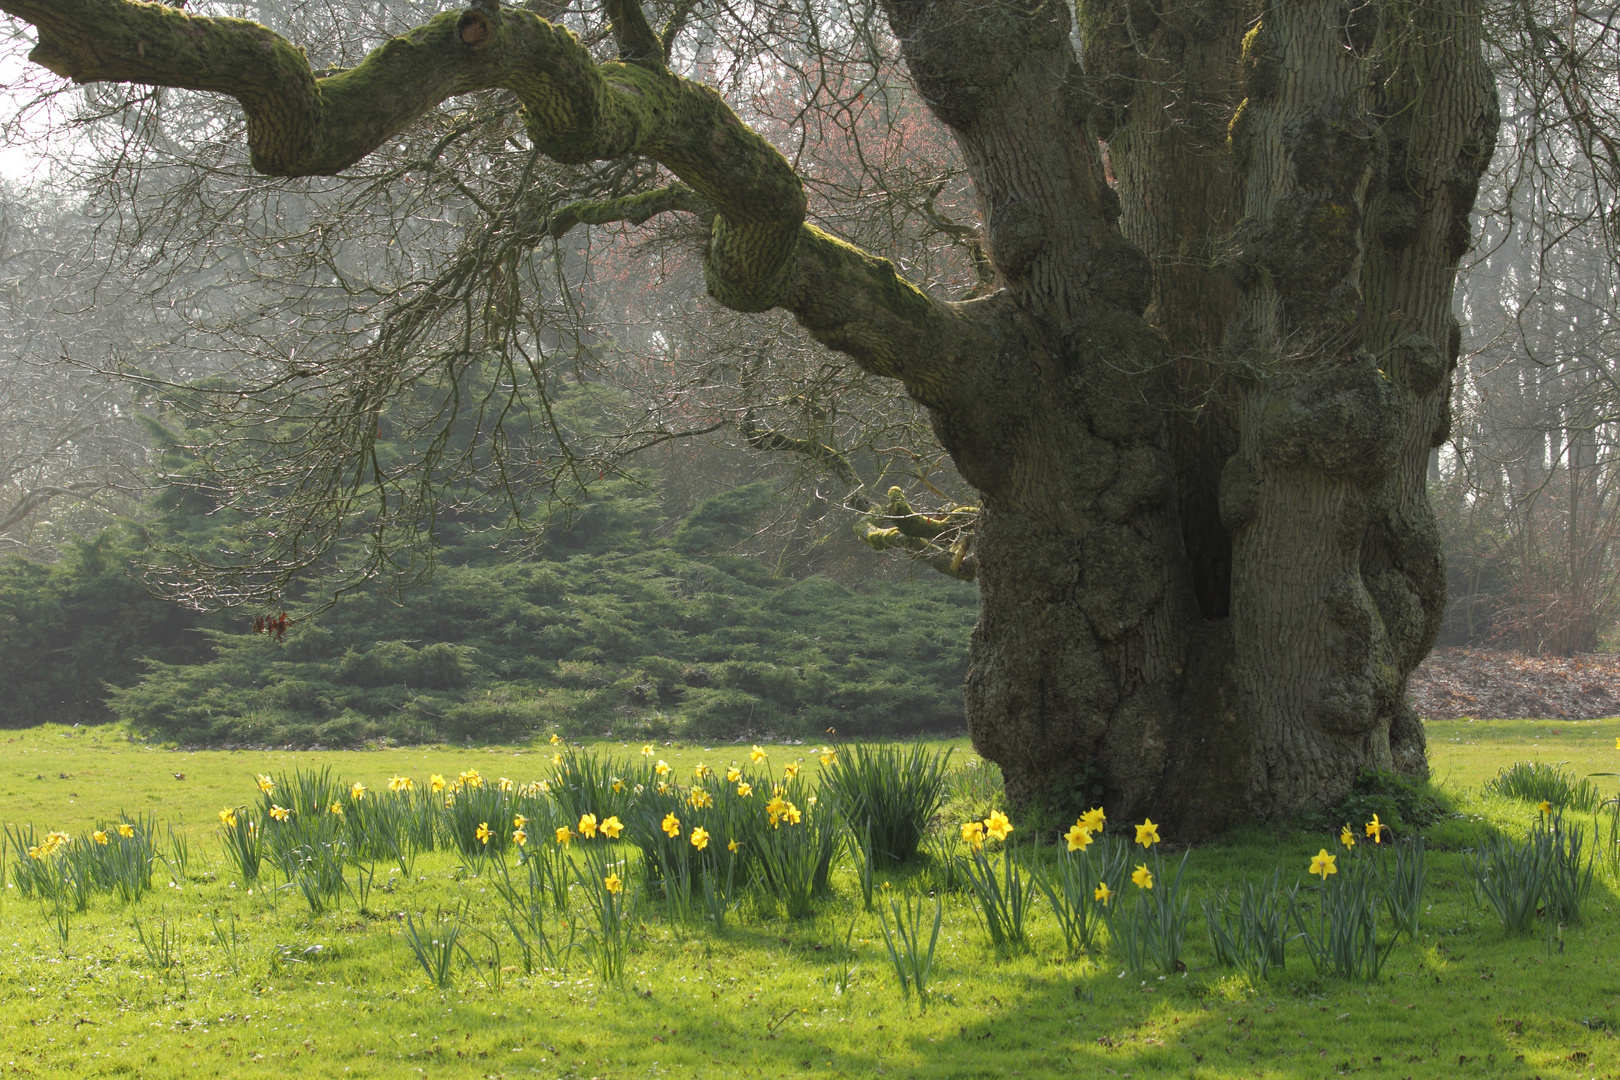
x: 478, y: 24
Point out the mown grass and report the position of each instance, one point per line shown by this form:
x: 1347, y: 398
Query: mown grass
x: 339, y: 994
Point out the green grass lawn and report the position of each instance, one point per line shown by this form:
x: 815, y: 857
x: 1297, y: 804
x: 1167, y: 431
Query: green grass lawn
x: 772, y: 997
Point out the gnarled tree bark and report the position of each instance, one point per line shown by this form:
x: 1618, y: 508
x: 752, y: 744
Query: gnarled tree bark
x: 1199, y: 428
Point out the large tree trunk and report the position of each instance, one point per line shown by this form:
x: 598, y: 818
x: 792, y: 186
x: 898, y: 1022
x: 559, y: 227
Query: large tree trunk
x: 1200, y: 427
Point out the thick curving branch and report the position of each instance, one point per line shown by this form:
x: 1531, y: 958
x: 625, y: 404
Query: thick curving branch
x: 760, y: 253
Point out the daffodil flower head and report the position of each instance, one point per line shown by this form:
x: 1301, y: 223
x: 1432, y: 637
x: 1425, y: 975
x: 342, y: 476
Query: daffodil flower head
x: 587, y: 826
x: 357, y: 791
x: 555, y: 738
x: 99, y: 837
x: 733, y: 846
x: 733, y: 775
x: 482, y: 833
x: 1147, y: 833
x: 519, y: 837
x: 791, y: 814
x: 505, y: 784
x: 647, y: 750
x: 1094, y: 819
x: 756, y: 755
x: 518, y: 821
x: 618, y: 785
x: 1103, y: 893
x: 745, y: 789
x: 612, y: 827
x: 1142, y: 877
x: 280, y: 813
x: 396, y: 784
x: 227, y: 817
x: 828, y: 755
x: 125, y: 829
x: 699, y: 799
x: 613, y: 884
x: 790, y: 770
x: 973, y: 834
x: 337, y: 807
x: 997, y: 826
x: 435, y: 783
x: 565, y: 836
x: 700, y: 770
x: 1375, y: 829
x: 700, y: 839
x: 1347, y: 838
x: 266, y: 784
x: 1323, y: 864
x: 662, y: 768
x: 671, y: 826
x: 1545, y: 807
x: 1078, y: 836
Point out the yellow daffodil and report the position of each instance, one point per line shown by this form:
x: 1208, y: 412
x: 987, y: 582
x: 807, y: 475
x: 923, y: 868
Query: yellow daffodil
x: 790, y: 770
x: 1147, y: 833
x: 565, y: 836
x: 663, y: 788
x: 482, y: 832
x: 973, y: 834
x: 125, y: 829
x: 1079, y: 837
x: 518, y: 821
x: 587, y: 826
x: 733, y: 775
x: 280, y: 813
x: 775, y: 809
x: 647, y: 751
x: 555, y: 738
x: 1094, y: 819
x: 791, y: 814
x: 1142, y: 877
x: 449, y: 801
x: 828, y: 755
x: 700, y: 839
x: 357, y: 791
x: 662, y: 768
x: 435, y: 783
x: 505, y: 784
x: 618, y: 785
x: 733, y: 846
x: 1347, y: 838
x: 227, y: 817
x: 337, y: 807
x: 99, y: 837
x: 1103, y: 894
x: 556, y: 759
x: 996, y: 826
x: 699, y: 799
x: 472, y: 778
x: 756, y: 755
x: 1617, y: 744
x: 612, y: 827
x: 519, y: 837
x: 671, y: 826
x: 613, y: 884
x: 1323, y: 864
x: 745, y: 789
x: 397, y: 784
x: 700, y: 770
x: 1545, y: 807
x: 266, y: 785
x: 1375, y: 829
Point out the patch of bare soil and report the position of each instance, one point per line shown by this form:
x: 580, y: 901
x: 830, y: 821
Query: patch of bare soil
x: 1492, y: 684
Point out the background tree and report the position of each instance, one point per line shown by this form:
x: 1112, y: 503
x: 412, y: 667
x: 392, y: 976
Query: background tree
x: 1300, y: 352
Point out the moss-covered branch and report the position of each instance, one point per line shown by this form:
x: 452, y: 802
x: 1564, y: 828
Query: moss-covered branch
x: 760, y: 252
x: 944, y: 542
